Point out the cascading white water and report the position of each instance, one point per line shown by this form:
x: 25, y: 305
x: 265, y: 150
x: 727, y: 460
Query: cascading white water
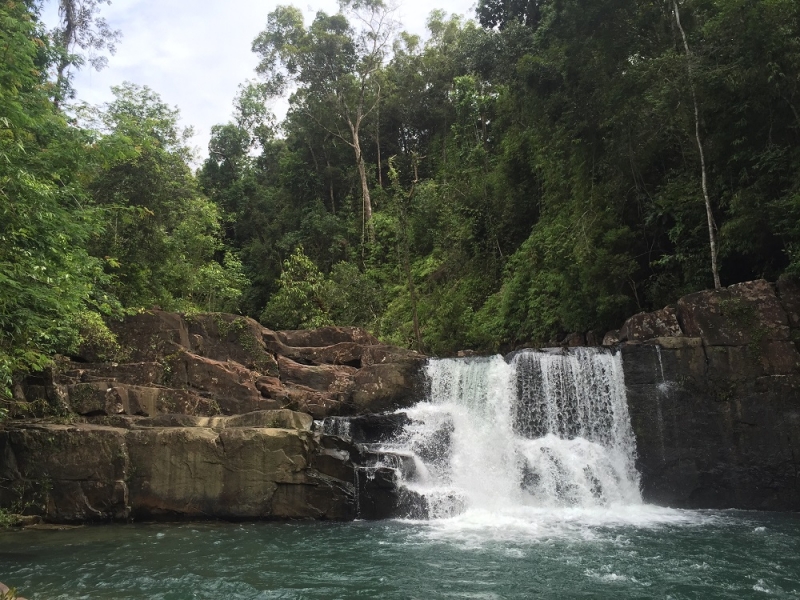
x: 545, y: 429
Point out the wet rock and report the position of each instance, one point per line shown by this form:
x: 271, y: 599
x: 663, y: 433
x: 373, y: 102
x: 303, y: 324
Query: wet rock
x: 240, y: 470
x: 384, y: 387
x: 716, y: 414
x: 378, y: 493
x: 68, y: 473
x: 376, y: 427
x: 335, y: 463
x: 5, y: 592
x: 594, y: 338
x: 236, y: 473
x: 573, y: 340
x: 677, y: 342
x: 197, y: 395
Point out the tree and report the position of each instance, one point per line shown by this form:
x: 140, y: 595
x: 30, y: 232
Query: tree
x: 48, y: 282
x: 553, y: 156
x: 337, y: 68
x: 163, y: 238
x: 501, y: 13
x: 712, y: 226
x: 300, y: 300
x: 401, y: 201
x: 81, y: 29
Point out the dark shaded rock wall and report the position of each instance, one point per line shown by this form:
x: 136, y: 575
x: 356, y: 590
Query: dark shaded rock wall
x: 713, y: 390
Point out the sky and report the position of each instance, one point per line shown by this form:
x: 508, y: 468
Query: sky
x: 196, y: 53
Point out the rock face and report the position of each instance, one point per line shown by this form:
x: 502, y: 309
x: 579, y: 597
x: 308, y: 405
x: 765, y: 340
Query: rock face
x: 202, y: 416
x: 264, y: 464
x: 713, y: 389
x: 224, y: 364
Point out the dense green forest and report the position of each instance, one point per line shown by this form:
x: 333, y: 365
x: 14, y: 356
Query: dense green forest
x: 551, y: 166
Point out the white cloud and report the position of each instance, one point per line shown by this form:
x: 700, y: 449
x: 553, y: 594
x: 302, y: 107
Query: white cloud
x: 195, y: 54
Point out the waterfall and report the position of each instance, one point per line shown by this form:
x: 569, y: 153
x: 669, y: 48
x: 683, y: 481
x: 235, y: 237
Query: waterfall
x: 542, y: 429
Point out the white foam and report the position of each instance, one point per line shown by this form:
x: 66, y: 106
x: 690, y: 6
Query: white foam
x: 539, y: 447
x: 526, y: 524
x: 761, y: 586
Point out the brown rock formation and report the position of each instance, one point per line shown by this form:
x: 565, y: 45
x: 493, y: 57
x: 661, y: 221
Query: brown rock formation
x: 223, y: 364
x: 264, y: 464
x: 194, y: 421
x: 645, y: 326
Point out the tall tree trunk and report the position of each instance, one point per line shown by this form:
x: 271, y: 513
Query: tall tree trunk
x: 330, y: 185
x: 413, y: 292
x: 69, y: 19
x: 378, y: 137
x: 367, y: 226
x: 712, y: 235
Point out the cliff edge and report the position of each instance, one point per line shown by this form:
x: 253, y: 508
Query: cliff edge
x: 713, y: 388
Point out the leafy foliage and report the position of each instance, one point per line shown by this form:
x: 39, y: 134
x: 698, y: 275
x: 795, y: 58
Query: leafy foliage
x: 162, y: 244
x: 496, y: 184
x: 47, y: 277
x: 300, y: 300
x: 553, y: 157
x: 93, y: 222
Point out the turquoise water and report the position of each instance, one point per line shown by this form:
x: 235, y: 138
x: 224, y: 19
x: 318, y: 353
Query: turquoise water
x: 644, y: 553
x: 538, y: 467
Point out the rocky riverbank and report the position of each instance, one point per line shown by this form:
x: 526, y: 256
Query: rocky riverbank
x: 213, y: 415
x: 208, y: 416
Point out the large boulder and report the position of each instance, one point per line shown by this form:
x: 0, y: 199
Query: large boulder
x: 262, y: 419
x: 742, y: 314
x: 788, y: 290
x: 715, y: 433
x: 111, y: 398
x: 323, y: 378
x: 326, y: 336
x: 344, y: 353
x: 645, y: 326
x: 136, y: 373
x: 220, y: 363
x: 230, y: 384
x: 69, y: 473
x: 266, y: 464
x: 151, y: 335
x: 197, y: 471
x: 387, y: 386
x: 195, y: 422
